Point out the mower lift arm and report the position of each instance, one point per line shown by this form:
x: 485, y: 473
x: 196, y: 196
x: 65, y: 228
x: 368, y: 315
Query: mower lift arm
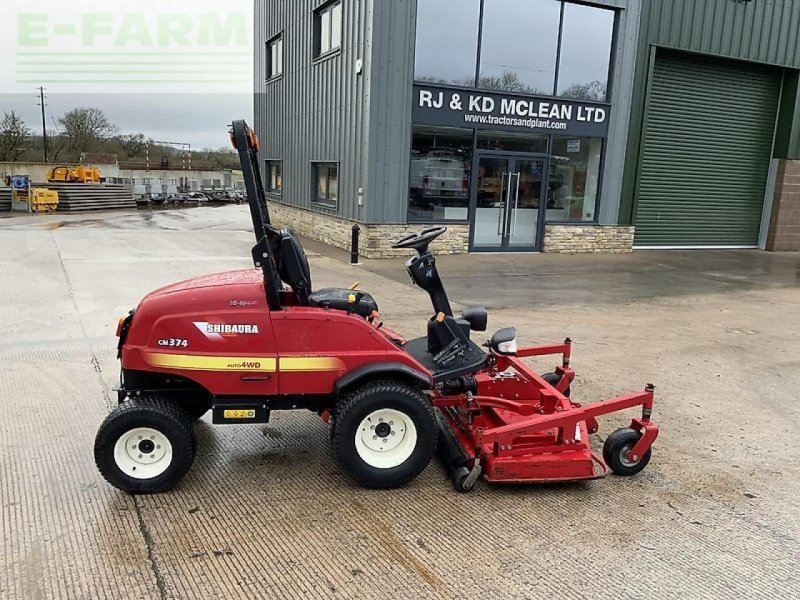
x: 568, y: 419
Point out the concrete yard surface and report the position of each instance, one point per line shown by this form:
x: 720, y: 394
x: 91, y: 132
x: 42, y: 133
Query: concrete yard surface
x: 264, y: 513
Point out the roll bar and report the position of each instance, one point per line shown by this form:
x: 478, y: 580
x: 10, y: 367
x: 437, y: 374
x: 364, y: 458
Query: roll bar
x: 246, y: 143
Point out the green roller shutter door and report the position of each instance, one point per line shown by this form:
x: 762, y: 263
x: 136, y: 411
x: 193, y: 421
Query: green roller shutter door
x: 705, y: 152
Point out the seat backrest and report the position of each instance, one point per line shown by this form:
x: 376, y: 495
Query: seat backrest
x: 293, y: 266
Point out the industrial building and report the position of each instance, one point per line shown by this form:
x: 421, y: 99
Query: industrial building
x: 533, y: 125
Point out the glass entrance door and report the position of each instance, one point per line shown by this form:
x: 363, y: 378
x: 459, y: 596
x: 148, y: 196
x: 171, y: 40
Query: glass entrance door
x: 509, y: 192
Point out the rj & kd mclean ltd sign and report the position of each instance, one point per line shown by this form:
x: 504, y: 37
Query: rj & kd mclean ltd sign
x: 486, y: 110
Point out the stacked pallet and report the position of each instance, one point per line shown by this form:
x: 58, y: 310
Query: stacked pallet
x: 74, y: 197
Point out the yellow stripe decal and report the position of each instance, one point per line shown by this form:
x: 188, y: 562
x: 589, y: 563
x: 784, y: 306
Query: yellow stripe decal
x: 261, y: 364
x: 310, y: 363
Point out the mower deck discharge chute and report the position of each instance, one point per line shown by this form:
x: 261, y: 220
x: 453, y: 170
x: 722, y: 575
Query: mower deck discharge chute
x: 245, y: 343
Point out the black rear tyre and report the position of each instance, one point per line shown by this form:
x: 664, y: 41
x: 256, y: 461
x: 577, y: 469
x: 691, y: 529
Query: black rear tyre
x: 616, y: 449
x: 145, y: 445
x: 196, y: 407
x: 383, y: 433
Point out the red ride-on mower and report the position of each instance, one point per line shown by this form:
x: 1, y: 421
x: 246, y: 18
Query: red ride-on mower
x: 245, y: 343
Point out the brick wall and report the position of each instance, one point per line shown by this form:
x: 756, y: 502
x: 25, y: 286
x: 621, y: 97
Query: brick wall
x: 375, y: 240
x: 784, y: 223
x: 575, y: 239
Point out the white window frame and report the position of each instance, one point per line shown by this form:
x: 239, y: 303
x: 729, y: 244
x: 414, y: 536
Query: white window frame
x: 328, y: 29
x: 274, y: 57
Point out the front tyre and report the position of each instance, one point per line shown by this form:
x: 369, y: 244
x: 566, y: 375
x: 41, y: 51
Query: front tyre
x: 616, y: 449
x: 383, y: 434
x: 145, y: 445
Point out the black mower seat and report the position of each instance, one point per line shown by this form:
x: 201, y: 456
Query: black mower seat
x: 293, y: 270
x: 338, y: 298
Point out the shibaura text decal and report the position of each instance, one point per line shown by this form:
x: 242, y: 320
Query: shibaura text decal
x: 449, y: 107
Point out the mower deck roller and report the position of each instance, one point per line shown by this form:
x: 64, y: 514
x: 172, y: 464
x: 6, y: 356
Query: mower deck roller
x: 245, y: 343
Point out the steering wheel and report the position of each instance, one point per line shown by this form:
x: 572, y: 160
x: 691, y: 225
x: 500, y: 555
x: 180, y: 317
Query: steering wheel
x: 420, y: 240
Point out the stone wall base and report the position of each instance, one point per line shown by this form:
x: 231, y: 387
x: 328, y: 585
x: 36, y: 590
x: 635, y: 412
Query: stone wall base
x: 784, y: 222
x: 576, y: 239
x: 375, y: 240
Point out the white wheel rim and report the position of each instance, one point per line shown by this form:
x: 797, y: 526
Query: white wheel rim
x: 143, y: 453
x: 386, y: 438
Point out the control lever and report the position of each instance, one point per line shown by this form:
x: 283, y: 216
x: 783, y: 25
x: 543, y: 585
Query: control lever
x: 449, y: 353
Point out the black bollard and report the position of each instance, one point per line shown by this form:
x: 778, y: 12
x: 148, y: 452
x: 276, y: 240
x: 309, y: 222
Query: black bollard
x: 354, y: 245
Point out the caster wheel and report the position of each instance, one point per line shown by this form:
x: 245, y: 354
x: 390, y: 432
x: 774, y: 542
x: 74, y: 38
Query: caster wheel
x: 383, y: 433
x: 145, y: 445
x: 464, y: 478
x: 553, y: 379
x: 616, y: 449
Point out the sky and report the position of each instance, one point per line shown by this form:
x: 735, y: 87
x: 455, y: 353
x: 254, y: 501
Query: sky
x: 175, y: 70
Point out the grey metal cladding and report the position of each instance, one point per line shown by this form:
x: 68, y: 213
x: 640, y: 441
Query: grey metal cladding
x: 317, y: 110
x: 622, y: 78
x: 761, y: 31
x: 391, y: 73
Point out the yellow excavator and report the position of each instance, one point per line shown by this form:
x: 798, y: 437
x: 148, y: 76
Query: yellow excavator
x: 77, y: 174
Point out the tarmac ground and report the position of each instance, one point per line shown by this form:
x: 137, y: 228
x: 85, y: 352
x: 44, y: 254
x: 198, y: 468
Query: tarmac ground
x: 264, y: 513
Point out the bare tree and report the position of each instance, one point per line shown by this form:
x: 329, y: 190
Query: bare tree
x: 131, y: 145
x: 85, y: 128
x: 592, y: 90
x: 14, y: 135
x: 508, y: 81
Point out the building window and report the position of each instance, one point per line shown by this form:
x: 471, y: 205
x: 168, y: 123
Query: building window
x: 586, y: 38
x: 326, y: 185
x: 574, y: 179
x: 518, y: 46
x: 447, y: 54
x: 327, y: 28
x: 274, y: 176
x: 441, y: 164
x: 275, y: 57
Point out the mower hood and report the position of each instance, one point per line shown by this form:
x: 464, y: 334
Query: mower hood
x: 243, y: 277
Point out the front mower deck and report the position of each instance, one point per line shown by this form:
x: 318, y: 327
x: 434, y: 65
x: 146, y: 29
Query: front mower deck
x: 519, y: 428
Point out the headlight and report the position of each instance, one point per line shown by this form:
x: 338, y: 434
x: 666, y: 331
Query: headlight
x: 509, y: 347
